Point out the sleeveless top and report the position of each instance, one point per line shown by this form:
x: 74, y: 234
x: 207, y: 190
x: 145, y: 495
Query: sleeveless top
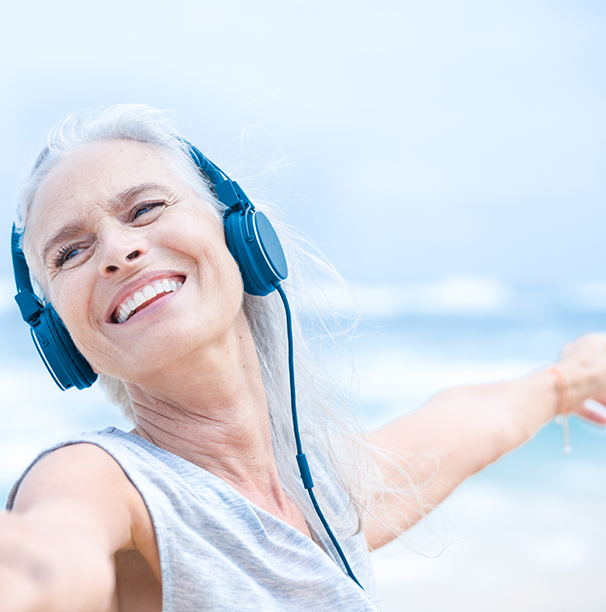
x: 219, y: 551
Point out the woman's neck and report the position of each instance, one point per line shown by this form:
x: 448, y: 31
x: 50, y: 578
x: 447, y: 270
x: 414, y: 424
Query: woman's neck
x: 211, y: 409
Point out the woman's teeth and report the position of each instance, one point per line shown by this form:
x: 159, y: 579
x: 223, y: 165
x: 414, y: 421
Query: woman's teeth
x: 149, y: 292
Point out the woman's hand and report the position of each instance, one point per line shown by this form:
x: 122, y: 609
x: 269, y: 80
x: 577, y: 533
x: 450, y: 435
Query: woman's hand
x: 41, y: 570
x: 583, y: 367
x: 25, y: 575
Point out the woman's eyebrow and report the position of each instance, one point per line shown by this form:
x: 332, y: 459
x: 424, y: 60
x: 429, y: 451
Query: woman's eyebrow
x: 65, y: 233
x: 117, y: 202
x: 132, y: 192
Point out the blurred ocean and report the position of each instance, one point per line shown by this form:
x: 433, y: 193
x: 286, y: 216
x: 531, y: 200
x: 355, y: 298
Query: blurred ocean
x: 527, y: 533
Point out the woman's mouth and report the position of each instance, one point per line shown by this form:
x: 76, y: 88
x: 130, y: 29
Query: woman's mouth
x: 145, y: 296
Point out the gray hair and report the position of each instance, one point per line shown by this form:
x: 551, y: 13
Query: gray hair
x: 319, y: 403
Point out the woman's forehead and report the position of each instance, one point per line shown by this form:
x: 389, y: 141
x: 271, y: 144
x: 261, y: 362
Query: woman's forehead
x: 92, y: 176
x: 103, y: 165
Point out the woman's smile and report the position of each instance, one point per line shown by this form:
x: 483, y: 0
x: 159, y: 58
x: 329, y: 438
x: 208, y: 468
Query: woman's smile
x: 145, y: 295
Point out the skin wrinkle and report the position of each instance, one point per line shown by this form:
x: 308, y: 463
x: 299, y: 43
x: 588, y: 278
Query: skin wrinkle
x: 67, y: 233
x: 71, y: 232
x: 117, y: 204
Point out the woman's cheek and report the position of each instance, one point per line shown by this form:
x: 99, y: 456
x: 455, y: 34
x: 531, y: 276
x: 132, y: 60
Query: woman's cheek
x: 73, y: 303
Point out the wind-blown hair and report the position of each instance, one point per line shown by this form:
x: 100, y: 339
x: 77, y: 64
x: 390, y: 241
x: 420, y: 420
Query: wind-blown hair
x: 319, y: 401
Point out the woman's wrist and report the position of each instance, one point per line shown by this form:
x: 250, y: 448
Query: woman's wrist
x: 562, y: 386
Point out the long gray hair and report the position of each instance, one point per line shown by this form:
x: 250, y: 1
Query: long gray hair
x: 320, y: 403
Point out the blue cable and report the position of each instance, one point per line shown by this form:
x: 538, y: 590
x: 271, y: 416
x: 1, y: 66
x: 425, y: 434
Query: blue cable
x: 301, y: 458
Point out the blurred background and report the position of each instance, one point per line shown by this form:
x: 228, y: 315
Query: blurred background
x: 448, y: 157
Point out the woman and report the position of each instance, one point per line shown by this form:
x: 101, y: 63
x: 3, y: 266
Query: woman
x: 200, y: 507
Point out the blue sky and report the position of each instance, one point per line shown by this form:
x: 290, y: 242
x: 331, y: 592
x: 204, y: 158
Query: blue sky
x: 412, y: 140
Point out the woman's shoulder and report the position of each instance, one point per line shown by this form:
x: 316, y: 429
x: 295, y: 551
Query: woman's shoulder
x: 76, y: 463
x: 79, y: 457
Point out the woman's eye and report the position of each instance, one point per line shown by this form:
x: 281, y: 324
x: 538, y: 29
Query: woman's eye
x: 145, y: 208
x: 66, y: 253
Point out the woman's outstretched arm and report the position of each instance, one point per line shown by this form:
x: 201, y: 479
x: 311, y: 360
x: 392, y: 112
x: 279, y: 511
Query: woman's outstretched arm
x: 72, y: 513
x: 462, y: 430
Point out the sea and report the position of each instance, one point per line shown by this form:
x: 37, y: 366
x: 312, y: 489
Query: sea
x: 527, y: 533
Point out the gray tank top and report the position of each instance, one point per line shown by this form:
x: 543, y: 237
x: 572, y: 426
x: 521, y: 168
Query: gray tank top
x: 218, y: 551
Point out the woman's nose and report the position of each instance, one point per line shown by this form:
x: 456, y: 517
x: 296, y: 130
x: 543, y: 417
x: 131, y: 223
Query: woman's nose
x: 121, y: 251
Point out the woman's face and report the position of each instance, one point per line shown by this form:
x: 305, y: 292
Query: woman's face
x: 111, y: 223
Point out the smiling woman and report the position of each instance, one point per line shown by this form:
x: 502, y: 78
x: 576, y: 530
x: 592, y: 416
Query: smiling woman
x: 126, y: 233
x: 207, y: 504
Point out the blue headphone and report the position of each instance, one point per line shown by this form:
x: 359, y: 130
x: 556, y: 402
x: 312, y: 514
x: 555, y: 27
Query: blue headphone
x: 250, y: 238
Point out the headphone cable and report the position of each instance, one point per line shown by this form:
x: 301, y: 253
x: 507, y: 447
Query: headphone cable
x: 301, y: 458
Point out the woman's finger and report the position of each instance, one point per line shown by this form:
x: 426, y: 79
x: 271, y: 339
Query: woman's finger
x: 592, y: 411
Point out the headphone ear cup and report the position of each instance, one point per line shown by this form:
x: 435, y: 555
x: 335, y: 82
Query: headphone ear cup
x: 254, y: 244
x: 59, y: 353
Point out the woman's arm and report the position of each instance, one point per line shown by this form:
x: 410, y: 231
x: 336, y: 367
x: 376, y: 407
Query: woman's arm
x: 462, y: 430
x: 72, y: 513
